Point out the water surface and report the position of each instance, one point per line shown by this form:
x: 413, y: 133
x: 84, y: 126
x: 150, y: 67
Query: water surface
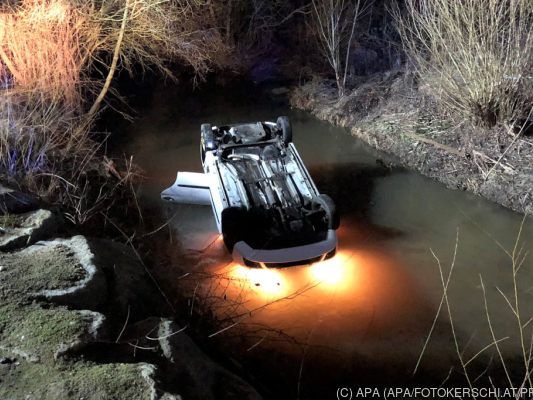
x: 363, y: 317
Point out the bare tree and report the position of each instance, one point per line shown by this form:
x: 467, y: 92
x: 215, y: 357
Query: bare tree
x: 334, y: 21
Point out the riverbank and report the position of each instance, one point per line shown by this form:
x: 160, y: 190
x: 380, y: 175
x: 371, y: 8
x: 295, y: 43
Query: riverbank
x: 392, y: 115
x: 81, y: 318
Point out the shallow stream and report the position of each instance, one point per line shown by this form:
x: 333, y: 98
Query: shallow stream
x: 361, y: 318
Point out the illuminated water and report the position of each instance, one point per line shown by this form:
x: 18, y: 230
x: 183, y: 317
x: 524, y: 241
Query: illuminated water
x: 362, y: 318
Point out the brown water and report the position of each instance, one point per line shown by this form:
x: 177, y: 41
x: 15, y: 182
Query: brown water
x: 362, y: 317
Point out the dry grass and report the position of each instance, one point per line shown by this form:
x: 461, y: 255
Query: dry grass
x: 58, y: 59
x: 41, y: 47
x: 44, y: 151
x: 475, y: 55
x: 35, y: 132
x: 62, y: 41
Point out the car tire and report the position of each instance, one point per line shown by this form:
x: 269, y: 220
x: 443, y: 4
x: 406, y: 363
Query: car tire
x: 232, y: 219
x: 202, y: 154
x: 285, y: 128
x: 328, y: 205
x: 208, y: 138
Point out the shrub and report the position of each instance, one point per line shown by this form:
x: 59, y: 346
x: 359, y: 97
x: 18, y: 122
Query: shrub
x: 475, y: 55
x: 50, y: 53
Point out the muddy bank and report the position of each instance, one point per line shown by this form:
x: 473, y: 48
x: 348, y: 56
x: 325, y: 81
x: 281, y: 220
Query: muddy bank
x: 391, y: 114
x: 81, y: 318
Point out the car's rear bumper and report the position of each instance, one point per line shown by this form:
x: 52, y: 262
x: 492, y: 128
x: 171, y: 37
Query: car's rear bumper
x: 244, y: 254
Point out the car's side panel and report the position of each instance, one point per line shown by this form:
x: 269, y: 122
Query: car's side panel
x: 218, y: 199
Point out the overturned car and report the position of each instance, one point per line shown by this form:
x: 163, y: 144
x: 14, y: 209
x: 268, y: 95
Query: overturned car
x: 265, y: 204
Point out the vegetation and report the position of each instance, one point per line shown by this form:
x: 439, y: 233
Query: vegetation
x: 59, y: 63
x: 476, y: 56
x: 55, y: 79
x: 518, y: 334
x: 56, y: 56
x: 58, y: 75
x: 335, y: 22
x: 8, y: 221
x: 249, y: 27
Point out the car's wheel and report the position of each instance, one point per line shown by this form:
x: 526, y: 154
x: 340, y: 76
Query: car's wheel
x: 202, y: 153
x: 232, y: 226
x: 285, y: 128
x: 208, y: 138
x: 328, y: 205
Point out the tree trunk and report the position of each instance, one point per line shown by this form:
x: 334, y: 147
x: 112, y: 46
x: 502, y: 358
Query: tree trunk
x: 340, y: 85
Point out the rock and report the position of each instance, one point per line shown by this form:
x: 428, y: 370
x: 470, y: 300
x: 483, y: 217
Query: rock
x: 15, y: 202
x: 51, y: 268
x: 148, y: 371
x: 201, y: 375
x: 43, y: 336
x: 69, y: 259
x: 55, y: 270
x: 113, y: 278
x: 36, y: 334
x: 26, y: 229
x: 101, y: 275
x: 92, y: 333
x: 83, y: 380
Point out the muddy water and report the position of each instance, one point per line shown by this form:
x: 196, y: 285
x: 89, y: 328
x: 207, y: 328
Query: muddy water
x: 361, y: 318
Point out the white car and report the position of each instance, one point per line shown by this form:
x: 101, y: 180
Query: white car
x: 265, y: 203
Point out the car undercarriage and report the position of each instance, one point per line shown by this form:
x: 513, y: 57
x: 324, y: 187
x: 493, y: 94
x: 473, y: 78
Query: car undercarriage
x: 265, y: 203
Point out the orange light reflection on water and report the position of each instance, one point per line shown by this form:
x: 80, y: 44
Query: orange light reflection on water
x: 344, y: 301
x: 337, y: 273
x: 269, y: 282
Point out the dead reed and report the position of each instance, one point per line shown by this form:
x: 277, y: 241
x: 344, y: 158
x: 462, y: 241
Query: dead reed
x: 476, y: 56
x: 58, y: 59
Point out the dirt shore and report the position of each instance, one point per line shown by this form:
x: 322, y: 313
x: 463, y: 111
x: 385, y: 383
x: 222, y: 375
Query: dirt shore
x: 391, y: 114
